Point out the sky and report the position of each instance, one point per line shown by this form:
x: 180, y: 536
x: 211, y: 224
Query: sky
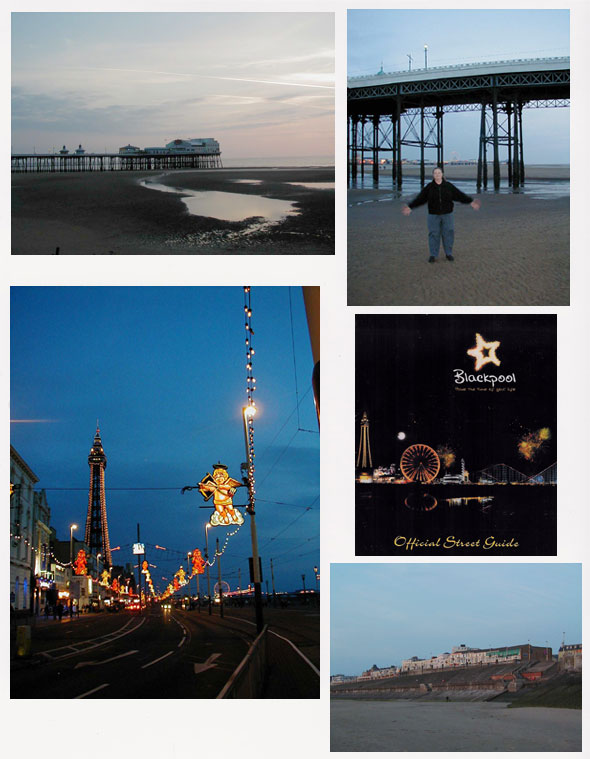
x: 405, y: 382
x: 386, y: 37
x: 163, y: 370
x: 262, y: 84
x: 383, y: 613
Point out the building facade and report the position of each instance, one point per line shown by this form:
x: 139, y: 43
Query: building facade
x: 569, y: 657
x: 29, y: 537
x: 466, y: 656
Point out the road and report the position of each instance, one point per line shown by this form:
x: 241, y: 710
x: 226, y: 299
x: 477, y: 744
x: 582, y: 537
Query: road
x: 164, y: 654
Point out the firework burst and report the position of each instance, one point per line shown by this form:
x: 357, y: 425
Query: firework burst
x: 446, y: 455
x: 531, y: 443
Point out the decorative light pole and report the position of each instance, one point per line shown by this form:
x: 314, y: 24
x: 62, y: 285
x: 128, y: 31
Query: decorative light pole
x: 218, y: 555
x: 207, y: 563
x: 188, y: 581
x: 248, y: 413
x: 72, y: 528
x: 426, y: 56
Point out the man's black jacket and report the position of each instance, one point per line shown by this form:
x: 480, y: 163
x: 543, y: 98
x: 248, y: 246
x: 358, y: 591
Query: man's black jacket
x: 440, y: 197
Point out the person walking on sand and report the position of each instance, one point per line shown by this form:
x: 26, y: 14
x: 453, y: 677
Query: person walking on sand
x: 440, y: 194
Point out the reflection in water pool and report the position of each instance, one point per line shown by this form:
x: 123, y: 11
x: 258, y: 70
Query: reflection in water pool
x: 314, y: 185
x: 229, y: 206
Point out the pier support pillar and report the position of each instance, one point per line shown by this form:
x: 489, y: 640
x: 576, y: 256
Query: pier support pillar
x: 495, y: 135
x: 516, y: 160
x: 354, y: 147
x: 363, y: 121
x: 509, y: 111
x: 393, y: 149
x: 482, y: 148
x: 422, y: 173
x: 399, y: 143
x: 521, y: 156
x: 440, y: 160
x: 376, y: 149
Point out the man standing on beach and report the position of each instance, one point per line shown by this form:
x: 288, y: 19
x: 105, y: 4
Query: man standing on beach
x: 440, y: 194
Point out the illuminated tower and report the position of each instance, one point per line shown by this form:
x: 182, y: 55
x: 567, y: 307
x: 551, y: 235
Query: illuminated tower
x: 97, y: 531
x: 364, y: 455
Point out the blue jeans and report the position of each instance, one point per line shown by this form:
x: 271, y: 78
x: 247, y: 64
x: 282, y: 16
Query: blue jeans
x: 441, y: 225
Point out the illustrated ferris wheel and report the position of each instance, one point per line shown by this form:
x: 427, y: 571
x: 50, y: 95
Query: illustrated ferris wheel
x: 420, y: 463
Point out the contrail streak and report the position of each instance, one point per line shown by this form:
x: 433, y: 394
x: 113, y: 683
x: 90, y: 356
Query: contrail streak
x: 209, y: 76
x: 30, y: 421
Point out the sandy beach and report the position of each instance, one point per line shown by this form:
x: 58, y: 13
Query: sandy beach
x: 411, y: 726
x: 513, y: 251
x: 111, y: 213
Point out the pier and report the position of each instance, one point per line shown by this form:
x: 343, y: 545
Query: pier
x: 59, y: 163
x: 389, y: 110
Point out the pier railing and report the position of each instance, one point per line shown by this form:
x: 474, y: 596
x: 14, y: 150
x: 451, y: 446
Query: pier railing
x: 53, y: 163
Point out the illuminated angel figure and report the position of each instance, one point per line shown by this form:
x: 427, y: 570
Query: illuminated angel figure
x: 105, y: 578
x: 222, y: 487
x: 181, y: 574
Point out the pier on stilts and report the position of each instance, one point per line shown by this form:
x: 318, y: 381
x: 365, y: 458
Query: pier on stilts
x: 59, y: 163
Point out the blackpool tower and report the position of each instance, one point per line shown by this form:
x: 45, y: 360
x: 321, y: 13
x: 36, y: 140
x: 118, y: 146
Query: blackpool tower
x: 97, y: 530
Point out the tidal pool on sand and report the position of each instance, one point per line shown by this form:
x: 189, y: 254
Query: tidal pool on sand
x: 229, y: 206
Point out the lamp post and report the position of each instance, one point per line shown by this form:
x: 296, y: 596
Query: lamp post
x: 304, y: 596
x: 218, y: 555
x: 317, y: 585
x: 425, y: 56
x: 72, y: 528
x: 207, y: 562
x: 247, y: 415
x: 188, y: 571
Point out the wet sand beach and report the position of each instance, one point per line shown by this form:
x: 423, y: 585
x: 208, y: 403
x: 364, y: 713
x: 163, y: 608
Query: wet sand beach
x: 411, y: 726
x: 111, y: 213
x: 513, y: 251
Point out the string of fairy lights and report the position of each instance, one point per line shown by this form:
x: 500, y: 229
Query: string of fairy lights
x: 250, y: 389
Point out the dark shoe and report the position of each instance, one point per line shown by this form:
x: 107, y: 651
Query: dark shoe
x: 450, y: 258
x: 432, y: 260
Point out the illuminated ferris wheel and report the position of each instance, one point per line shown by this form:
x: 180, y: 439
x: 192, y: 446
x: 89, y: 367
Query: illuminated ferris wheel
x: 420, y: 463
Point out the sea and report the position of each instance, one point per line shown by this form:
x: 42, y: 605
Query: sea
x: 542, y: 189
x: 277, y: 162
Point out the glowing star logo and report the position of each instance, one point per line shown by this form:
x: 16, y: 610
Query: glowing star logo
x: 477, y: 352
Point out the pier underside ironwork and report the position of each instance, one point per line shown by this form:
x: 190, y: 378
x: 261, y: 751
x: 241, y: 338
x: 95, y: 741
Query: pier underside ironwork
x: 113, y: 162
x: 382, y: 118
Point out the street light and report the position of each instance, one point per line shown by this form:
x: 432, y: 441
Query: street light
x: 72, y: 528
x: 425, y: 56
x: 207, y: 562
x: 248, y: 413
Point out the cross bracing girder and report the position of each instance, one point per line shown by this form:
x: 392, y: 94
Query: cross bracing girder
x: 488, y: 81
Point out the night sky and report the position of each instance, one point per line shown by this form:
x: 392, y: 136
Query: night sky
x: 405, y: 383
x: 163, y: 370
